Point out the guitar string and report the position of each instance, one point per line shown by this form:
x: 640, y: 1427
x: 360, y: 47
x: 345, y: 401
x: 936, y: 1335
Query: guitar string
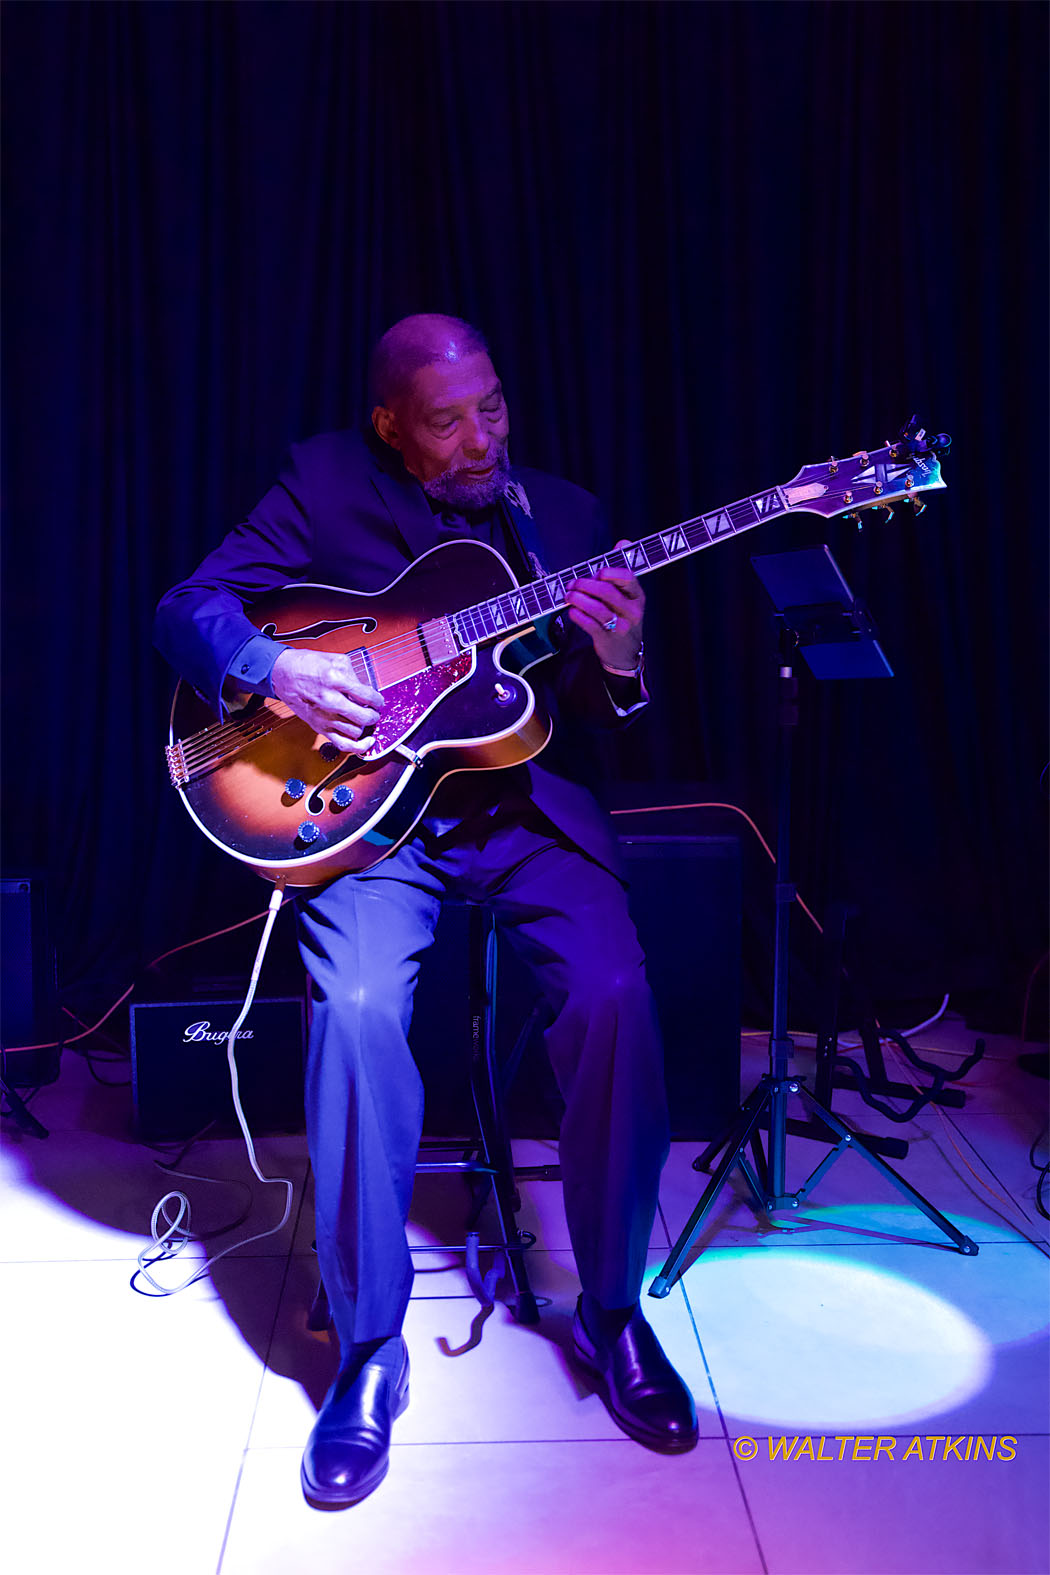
x: 201, y: 750
x: 259, y: 724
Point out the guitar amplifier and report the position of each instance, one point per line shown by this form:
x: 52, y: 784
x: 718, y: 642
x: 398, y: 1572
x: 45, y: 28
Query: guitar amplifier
x: 180, y: 1077
x: 27, y: 983
x: 685, y: 898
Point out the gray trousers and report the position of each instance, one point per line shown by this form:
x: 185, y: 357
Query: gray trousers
x: 362, y: 939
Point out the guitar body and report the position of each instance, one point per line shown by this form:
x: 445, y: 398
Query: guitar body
x: 274, y: 794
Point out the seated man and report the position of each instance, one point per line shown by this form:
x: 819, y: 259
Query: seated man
x: 353, y: 510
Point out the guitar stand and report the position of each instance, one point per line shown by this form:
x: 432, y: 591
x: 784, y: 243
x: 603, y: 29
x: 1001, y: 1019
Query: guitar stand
x: 835, y: 1070
x: 765, y: 1173
x: 20, y: 1112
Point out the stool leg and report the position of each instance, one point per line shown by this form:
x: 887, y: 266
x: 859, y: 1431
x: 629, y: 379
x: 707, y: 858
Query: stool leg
x: 319, y: 1317
x: 488, y: 1104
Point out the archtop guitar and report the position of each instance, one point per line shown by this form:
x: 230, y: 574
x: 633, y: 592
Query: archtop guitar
x: 447, y: 644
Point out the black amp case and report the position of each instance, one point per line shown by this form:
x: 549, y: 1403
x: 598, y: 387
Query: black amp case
x: 27, y: 984
x: 685, y: 898
x: 180, y: 1077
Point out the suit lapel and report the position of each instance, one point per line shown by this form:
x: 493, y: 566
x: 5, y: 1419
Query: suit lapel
x: 407, y: 506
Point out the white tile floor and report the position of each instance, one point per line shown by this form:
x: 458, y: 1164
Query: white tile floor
x: 164, y: 1434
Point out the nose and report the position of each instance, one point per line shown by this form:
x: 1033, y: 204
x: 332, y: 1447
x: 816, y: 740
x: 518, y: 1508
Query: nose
x: 475, y: 439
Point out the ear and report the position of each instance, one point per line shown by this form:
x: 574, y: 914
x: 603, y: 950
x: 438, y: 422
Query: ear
x: 385, y: 424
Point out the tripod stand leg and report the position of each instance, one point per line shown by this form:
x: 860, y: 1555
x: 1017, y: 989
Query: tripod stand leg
x: 854, y: 1140
x: 734, y: 1144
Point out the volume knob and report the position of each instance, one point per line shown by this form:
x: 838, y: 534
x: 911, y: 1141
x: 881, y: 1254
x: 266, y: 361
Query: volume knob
x: 295, y: 787
x: 330, y: 752
x: 343, y: 796
x: 309, y: 832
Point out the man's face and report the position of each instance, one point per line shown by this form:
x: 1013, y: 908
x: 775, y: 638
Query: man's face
x: 450, y: 428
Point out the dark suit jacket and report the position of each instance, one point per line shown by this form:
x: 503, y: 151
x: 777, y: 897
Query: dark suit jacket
x: 345, y: 512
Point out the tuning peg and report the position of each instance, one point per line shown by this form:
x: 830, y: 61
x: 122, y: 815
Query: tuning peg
x: 887, y: 509
x: 918, y: 505
x: 854, y: 519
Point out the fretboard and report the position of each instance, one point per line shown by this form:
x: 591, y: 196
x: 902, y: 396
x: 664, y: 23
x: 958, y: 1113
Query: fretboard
x: 517, y: 608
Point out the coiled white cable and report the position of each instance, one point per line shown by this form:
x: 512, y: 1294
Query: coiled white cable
x: 167, y: 1243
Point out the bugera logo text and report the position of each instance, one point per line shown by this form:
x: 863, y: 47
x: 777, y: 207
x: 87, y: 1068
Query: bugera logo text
x: 203, y: 1033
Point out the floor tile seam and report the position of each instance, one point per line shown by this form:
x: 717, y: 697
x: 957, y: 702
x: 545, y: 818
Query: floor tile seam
x: 491, y: 1443
x: 229, y: 1517
x: 724, y: 1435
x: 723, y: 1422
x: 264, y: 1365
x: 459, y: 1296
x: 749, y: 1511
x: 132, y: 1262
x: 815, y: 1432
x: 1018, y: 1242
x: 15, y: 1262
x: 531, y: 1253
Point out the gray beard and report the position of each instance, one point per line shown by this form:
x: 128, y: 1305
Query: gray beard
x: 452, y: 491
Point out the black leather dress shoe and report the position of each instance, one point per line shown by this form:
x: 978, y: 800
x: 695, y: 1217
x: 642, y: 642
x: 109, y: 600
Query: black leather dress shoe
x: 348, y: 1452
x: 642, y: 1391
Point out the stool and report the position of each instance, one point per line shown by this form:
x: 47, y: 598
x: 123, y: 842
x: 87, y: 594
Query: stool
x: 489, y: 1157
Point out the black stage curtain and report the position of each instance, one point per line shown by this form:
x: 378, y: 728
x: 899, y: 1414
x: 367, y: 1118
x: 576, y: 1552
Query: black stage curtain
x: 708, y: 242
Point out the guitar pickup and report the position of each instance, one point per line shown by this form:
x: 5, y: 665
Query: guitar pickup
x: 438, y: 641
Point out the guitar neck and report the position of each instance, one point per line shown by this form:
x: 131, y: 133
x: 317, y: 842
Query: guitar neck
x: 517, y: 609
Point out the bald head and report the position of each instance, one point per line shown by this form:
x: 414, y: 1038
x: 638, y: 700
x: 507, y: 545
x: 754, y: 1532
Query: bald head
x: 440, y: 404
x: 413, y: 343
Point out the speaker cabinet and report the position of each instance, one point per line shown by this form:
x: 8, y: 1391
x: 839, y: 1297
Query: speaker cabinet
x: 27, y: 982
x: 180, y: 1077
x: 684, y: 897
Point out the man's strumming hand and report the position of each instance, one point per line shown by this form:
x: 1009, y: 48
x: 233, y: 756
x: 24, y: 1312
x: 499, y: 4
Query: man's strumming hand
x: 323, y: 690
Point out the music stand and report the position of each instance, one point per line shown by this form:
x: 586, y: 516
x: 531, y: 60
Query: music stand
x: 819, y: 618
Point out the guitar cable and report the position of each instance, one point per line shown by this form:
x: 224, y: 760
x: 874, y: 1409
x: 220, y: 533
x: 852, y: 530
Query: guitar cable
x: 169, y: 1242
x: 198, y: 940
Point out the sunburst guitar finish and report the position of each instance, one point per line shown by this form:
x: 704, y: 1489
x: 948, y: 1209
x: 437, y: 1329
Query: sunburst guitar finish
x: 266, y: 788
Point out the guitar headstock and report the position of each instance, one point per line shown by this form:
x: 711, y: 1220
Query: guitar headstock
x: 872, y: 478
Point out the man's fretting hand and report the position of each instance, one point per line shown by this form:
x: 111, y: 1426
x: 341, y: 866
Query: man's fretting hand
x: 616, y: 598
x: 324, y: 691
